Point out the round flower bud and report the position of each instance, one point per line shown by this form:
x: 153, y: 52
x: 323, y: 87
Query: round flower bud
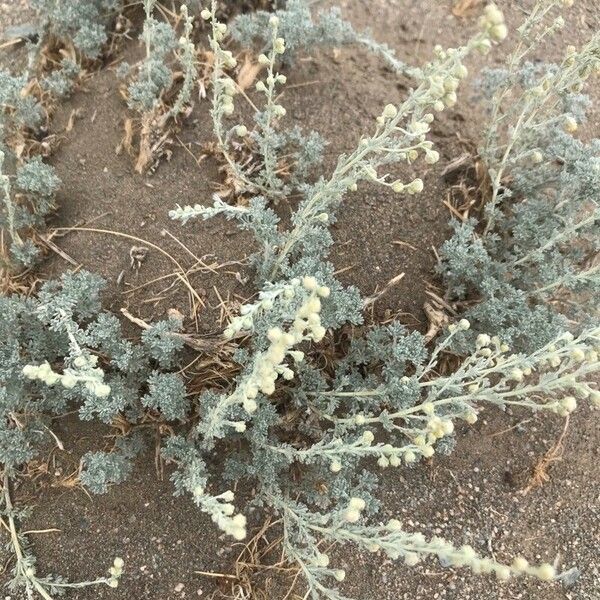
x: 102, y: 390
x: 428, y: 408
x: 274, y: 21
x: 460, y: 71
x: 335, y: 466
x: 357, y: 504
x: 352, y: 516
x: 502, y: 573
x: 411, y: 559
x: 577, y: 354
x: 471, y: 418
x: 395, y: 461
x: 339, y: 574
x: 570, y: 124
x: 368, y: 437
x: 520, y: 564
x: 274, y: 334
x: 250, y: 405
x: 482, y: 340
x: 464, y: 324
x: 447, y: 427
x: 431, y: 157
x: 68, y: 381
x: 536, y: 157
x: 428, y: 451
x: 450, y: 99
x: 390, y: 111
x: 30, y: 371
x: 516, y: 374
x: 264, y: 60
x: 451, y: 84
x: 546, y: 572
x: 113, y: 583
x: 416, y: 186
x: 569, y: 404
x: 80, y: 362
x: 118, y: 562
x: 499, y: 32
x: 241, y: 131
x: 279, y: 46
x: 323, y: 291
x: 309, y: 283
x: 409, y: 457
x: 398, y: 186
x: 493, y: 14
x: 206, y: 14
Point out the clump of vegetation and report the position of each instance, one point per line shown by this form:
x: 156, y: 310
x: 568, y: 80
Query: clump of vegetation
x: 153, y: 80
x: 302, y: 32
x: 27, y: 199
x: 80, y: 24
x: 390, y: 400
x: 535, y: 244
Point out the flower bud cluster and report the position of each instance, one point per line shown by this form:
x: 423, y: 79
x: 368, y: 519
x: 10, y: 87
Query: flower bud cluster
x: 466, y: 556
x: 284, y: 293
x: 224, y: 87
x: 115, y: 572
x: 85, y: 372
x: 354, y: 510
x: 222, y: 512
x: 271, y: 363
x: 268, y: 85
x: 493, y: 22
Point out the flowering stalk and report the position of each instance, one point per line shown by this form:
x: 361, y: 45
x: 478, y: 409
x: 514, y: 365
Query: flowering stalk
x: 187, y: 58
x: 223, y: 90
x: 270, y: 182
x: 549, y: 379
x: 390, y: 539
x: 24, y: 571
x: 399, y: 136
x: 268, y: 365
x: 535, y: 109
x: 5, y: 190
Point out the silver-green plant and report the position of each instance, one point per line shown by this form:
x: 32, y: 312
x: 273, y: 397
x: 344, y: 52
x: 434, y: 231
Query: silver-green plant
x: 26, y: 200
x: 535, y: 245
x: 82, y: 23
x: 305, y: 32
x: 286, y: 422
x: 153, y: 78
x: 24, y: 571
x: 387, y: 383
